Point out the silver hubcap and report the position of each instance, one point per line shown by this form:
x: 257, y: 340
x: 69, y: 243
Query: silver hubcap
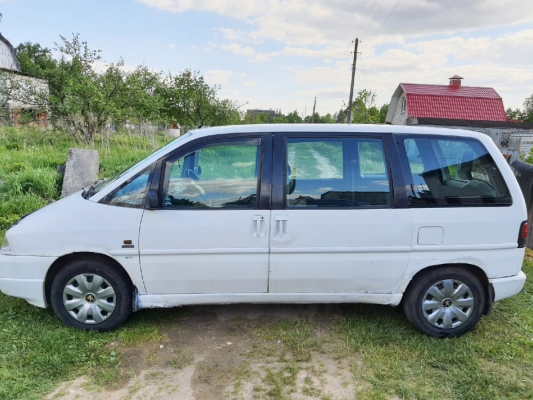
x: 89, y: 298
x: 448, y: 303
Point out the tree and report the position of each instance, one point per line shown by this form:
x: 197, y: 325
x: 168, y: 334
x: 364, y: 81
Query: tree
x: 516, y: 114
x: 324, y: 119
x: 84, y: 101
x: 81, y: 99
x: 364, y: 109
x: 142, y: 101
x: 527, y: 115
x: 187, y: 99
x: 293, y: 118
x: 35, y: 60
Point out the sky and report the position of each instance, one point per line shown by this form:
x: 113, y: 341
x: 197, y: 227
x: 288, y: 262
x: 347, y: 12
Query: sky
x: 280, y: 54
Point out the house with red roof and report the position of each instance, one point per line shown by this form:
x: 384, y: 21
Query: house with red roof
x: 414, y: 104
x: 461, y: 107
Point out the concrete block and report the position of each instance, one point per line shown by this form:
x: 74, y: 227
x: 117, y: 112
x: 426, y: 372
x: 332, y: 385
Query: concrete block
x: 81, y: 170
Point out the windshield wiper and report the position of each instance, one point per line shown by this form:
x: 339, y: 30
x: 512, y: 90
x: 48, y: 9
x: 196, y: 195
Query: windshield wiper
x: 88, y: 191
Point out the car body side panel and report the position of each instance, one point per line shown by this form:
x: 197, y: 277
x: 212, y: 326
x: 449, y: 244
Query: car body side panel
x: 73, y: 225
x: 345, y: 251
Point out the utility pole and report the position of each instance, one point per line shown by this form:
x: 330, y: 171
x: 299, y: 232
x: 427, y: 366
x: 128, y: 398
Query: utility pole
x: 349, y: 117
x: 313, y: 118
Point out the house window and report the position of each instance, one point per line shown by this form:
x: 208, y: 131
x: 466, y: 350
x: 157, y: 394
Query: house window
x: 404, y: 106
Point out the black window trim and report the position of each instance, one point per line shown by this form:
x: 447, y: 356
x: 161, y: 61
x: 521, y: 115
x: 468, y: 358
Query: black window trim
x: 263, y: 180
x: 398, y: 197
x: 400, y: 138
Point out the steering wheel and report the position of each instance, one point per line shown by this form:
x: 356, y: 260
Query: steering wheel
x: 202, y: 193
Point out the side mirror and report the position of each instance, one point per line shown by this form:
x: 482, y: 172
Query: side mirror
x: 198, y: 170
x: 152, y: 200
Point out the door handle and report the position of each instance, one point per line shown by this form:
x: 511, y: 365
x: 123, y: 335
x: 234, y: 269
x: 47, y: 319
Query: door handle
x: 281, y: 231
x: 258, y: 226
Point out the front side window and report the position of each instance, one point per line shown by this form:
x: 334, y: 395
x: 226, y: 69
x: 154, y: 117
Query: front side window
x: 451, y: 172
x: 218, y: 175
x: 336, y: 172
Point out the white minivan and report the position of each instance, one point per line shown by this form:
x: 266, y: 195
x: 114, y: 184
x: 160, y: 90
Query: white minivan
x: 430, y: 219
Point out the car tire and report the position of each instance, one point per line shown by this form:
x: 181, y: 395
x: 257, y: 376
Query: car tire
x: 445, y: 302
x: 92, y: 294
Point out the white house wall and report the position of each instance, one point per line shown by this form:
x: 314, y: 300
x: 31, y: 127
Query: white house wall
x: 400, y: 118
x: 7, y: 58
x: 23, y: 83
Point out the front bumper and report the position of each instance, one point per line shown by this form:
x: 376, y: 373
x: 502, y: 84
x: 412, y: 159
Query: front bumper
x: 506, y: 287
x: 24, y: 277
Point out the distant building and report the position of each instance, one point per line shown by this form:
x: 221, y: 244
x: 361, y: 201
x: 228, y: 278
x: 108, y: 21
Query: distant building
x: 269, y: 113
x: 459, y: 107
x: 11, y: 77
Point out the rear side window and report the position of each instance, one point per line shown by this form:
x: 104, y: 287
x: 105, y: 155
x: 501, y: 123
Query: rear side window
x: 336, y: 173
x: 453, y: 172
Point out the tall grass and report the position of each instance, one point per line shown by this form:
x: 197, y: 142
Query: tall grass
x: 29, y: 158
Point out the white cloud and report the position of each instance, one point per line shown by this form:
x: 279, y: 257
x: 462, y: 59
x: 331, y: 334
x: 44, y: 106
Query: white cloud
x: 216, y: 76
x: 249, y: 84
x: 233, y: 8
x: 102, y: 66
x: 330, y: 22
x: 330, y: 52
x: 171, y: 46
x: 241, y: 75
x: 422, y: 41
x: 507, y: 49
x: 239, y: 50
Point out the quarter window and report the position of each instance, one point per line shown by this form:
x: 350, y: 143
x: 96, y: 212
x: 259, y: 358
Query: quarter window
x: 451, y: 172
x: 336, y: 172
x: 221, y: 175
x: 131, y: 193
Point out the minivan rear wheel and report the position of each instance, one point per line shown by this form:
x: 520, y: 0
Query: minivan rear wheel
x: 91, y: 294
x: 445, y: 302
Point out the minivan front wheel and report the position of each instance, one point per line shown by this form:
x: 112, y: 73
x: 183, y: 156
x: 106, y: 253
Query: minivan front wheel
x: 446, y: 302
x: 91, y: 294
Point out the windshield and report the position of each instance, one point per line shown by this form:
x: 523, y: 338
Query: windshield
x: 102, y: 183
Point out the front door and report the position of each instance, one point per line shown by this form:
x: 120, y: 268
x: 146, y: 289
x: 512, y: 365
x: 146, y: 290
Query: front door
x: 335, y: 227
x: 209, y: 236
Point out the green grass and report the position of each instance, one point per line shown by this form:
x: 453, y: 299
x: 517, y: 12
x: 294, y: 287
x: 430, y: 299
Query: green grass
x: 495, y: 361
x: 29, y: 158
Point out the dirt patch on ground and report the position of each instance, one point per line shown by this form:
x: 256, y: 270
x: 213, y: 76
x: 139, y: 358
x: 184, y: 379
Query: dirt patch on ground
x: 235, y: 352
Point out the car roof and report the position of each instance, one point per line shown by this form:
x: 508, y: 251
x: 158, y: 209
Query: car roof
x: 331, y: 128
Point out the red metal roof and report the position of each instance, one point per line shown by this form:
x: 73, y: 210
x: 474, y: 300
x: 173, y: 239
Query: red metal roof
x: 459, y: 102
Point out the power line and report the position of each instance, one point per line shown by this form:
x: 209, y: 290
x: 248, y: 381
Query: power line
x: 360, y: 26
x: 363, y: 67
x: 373, y: 70
x: 394, y: 8
x: 376, y: 15
x: 369, y: 22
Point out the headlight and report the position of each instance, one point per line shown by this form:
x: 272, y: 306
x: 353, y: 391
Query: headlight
x: 5, y: 244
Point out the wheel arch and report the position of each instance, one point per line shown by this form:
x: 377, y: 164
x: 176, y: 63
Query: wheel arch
x: 474, y: 269
x: 65, y: 259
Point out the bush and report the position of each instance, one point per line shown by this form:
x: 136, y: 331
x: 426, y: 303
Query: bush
x: 44, y: 183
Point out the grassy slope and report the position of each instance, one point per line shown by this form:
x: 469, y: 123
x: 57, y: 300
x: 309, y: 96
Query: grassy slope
x: 494, y: 361
x: 29, y: 158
